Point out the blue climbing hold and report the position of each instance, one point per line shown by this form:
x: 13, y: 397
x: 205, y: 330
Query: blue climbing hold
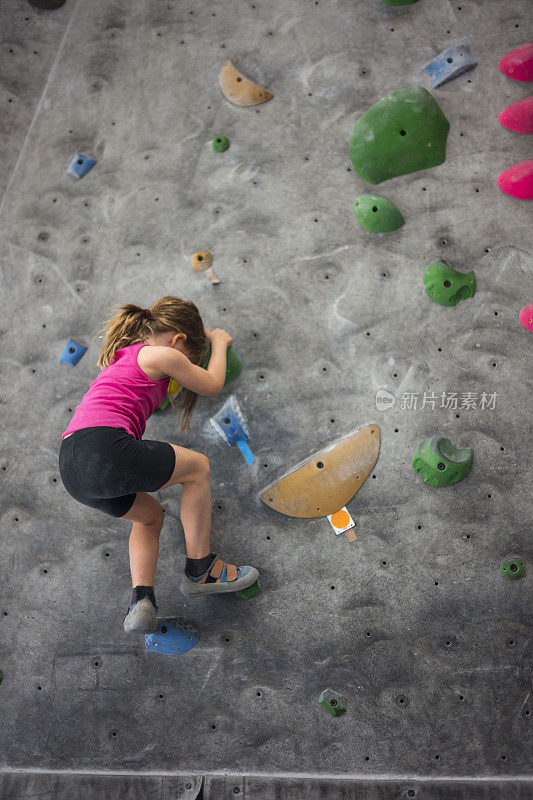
x: 172, y: 637
x: 72, y: 352
x: 230, y: 424
x: 80, y: 166
x: 449, y: 64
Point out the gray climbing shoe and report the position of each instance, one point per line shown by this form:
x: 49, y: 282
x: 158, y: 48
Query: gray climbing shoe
x: 141, y: 617
x: 219, y: 577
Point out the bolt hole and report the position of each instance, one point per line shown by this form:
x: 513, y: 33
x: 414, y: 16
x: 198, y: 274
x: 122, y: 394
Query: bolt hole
x: 320, y: 465
x: 164, y: 628
x: 374, y: 209
x: 449, y: 60
x: 403, y: 133
x: 333, y: 702
x: 227, y: 420
x: 447, y: 284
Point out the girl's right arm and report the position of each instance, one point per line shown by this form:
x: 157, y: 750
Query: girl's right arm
x: 202, y: 381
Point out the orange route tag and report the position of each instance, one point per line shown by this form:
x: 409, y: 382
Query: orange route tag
x: 341, y: 521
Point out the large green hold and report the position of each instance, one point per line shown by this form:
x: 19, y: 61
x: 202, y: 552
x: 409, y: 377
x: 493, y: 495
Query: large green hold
x: 446, y: 286
x: 400, y: 2
x: 233, y: 363
x: 403, y: 132
x: 440, y: 463
x: 377, y: 214
x: 233, y: 370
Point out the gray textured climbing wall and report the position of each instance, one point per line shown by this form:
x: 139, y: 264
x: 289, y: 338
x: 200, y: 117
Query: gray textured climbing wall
x: 413, y: 623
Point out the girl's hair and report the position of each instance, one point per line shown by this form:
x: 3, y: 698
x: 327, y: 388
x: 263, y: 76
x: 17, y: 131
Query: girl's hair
x: 130, y: 324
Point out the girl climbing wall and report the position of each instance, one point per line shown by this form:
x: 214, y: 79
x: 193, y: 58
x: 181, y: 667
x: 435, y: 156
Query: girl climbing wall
x: 105, y: 463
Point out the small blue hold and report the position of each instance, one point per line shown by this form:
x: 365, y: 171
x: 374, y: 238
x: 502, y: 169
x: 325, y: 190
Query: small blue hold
x: 80, y: 166
x: 449, y: 64
x: 72, y: 352
x: 172, y: 637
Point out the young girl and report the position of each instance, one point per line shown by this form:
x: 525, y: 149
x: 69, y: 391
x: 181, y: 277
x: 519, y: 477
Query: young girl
x: 105, y: 463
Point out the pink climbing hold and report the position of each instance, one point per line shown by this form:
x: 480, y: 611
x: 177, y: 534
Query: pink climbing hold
x: 518, y: 64
x: 526, y: 317
x: 517, y: 181
x: 518, y: 117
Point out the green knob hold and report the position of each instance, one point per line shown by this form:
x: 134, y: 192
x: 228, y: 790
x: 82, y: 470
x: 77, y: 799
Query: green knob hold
x: 403, y: 132
x: 233, y: 363
x: 513, y: 568
x: 220, y: 143
x: 446, y: 286
x: 400, y: 2
x: 250, y: 592
x: 332, y: 702
x: 440, y: 463
x: 377, y: 214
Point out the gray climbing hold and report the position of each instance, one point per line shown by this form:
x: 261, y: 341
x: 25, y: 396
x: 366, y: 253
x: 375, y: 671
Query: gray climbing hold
x: 449, y: 64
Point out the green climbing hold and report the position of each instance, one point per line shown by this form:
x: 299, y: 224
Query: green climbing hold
x: 250, y: 592
x: 446, y: 286
x: 377, y: 214
x: 332, y: 702
x: 403, y: 132
x: 400, y: 2
x: 233, y: 363
x: 513, y: 568
x: 440, y: 463
x: 220, y: 143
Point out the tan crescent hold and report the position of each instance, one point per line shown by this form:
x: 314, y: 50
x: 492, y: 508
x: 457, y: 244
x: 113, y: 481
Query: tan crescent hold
x: 327, y: 480
x: 239, y: 90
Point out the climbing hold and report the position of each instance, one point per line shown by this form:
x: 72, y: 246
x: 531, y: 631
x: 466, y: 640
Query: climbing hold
x: 513, y: 568
x: 403, y: 132
x: 377, y: 214
x: 202, y: 261
x: 250, y: 592
x: 400, y: 2
x: 332, y: 702
x: 230, y: 424
x: 172, y: 637
x: 449, y: 64
x: 526, y: 317
x: 233, y: 363
x: 220, y: 143
x: 440, y: 463
x: 517, y: 181
x: 322, y: 484
x: 72, y: 352
x: 518, y: 117
x: 80, y: 165
x: 239, y: 90
x: 446, y: 286
x: 518, y: 63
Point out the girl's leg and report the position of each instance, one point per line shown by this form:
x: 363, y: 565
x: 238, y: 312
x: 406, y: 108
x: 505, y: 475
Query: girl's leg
x: 147, y: 517
x: 192, y: 471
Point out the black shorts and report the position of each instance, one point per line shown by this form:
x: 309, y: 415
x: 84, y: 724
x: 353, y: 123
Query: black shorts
x: 104, y: 467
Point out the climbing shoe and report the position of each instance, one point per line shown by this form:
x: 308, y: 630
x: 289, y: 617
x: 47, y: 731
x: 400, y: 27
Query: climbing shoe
x: 219, y: 577
x: 141, y: 617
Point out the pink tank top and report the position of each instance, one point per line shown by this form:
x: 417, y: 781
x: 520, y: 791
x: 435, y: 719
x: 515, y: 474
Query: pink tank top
x: 122, y: 396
